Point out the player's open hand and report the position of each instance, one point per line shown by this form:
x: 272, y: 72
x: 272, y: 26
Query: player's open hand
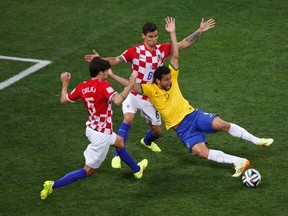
x: 89, y: 57
x: 206, y: 25
x: 170, y: 24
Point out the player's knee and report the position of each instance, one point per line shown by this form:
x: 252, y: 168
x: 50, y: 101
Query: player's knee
x: 200, y: 151
x: 119, y: 146
x: 129, y: 118
x: 225, y: 126
x: 220, y: 125
x: 201, y: 154
x: 119, y: 143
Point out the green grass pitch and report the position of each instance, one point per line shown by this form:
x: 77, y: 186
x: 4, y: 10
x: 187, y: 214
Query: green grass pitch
x: 238, y: 70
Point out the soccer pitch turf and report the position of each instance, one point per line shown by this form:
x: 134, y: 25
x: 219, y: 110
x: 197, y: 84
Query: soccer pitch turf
x: 237, y: 69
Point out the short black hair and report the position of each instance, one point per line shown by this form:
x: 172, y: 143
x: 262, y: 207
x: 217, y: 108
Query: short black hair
x: 149, y: 27
x: 98, y: 64
x: 159, y: 72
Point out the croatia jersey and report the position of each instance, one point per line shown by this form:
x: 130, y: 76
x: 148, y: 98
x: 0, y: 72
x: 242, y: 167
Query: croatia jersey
x: 145, y: 62
x: 96, y: 96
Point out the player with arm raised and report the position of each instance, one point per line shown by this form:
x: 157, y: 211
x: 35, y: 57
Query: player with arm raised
x: 144, y: 59
x: 189, y: 123
x: 97, y: 95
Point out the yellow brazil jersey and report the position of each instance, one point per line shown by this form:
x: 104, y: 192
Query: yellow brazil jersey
x: 171, y: 105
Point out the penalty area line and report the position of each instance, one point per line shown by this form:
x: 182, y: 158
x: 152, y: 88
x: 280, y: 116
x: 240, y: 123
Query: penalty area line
x: 39, y: 64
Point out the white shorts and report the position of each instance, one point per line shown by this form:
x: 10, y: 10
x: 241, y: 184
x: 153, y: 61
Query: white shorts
x: 132, y: 103
x: 97, y: 150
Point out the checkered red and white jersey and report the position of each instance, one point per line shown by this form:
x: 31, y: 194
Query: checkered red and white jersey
x: 144, y: 61
x: 96, y: 96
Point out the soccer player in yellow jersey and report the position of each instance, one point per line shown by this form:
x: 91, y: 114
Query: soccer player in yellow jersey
x: 189, y: 123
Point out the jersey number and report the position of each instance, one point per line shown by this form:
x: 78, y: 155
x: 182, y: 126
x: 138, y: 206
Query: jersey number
x: 150, y: 75
x: 90, y: 105
x: 157, y: 115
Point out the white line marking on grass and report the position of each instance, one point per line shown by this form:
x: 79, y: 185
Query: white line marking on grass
x: 39, y: 64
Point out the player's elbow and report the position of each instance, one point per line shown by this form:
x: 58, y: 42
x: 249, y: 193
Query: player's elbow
x: 63, y: 101
x: 118, y: 99
x: 176, y: 57
x: 118, y: 102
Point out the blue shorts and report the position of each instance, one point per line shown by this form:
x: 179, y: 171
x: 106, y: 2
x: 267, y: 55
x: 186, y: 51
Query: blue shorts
x: 193, y: 127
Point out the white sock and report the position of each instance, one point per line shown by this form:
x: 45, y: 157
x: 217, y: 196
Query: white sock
x: 221, y: 157
x: 240, y: 132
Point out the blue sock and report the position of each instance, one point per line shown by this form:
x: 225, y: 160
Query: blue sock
x: 125, y: 156
x: 150, y: 137
x: 70, y: 178
x: 123, y: 132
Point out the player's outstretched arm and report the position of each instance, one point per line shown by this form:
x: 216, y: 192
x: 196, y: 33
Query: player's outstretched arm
x: 189, y: 40
x: 112, y: 60
x: 129, y: 84
x: 125, y: 82
x: 171, y: 28
x: 120, y: 80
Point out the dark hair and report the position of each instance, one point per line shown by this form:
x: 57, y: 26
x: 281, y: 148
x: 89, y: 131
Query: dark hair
x: 149, y: 27
x: 97, y: 64
x: 159, y: 72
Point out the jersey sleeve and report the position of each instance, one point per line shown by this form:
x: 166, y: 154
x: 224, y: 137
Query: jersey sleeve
x: 74, y: 95
x: 146, y: 89
x: 128, y: 54
x: 108, y: 91
x: 174, y: 72
x: 166, y: 48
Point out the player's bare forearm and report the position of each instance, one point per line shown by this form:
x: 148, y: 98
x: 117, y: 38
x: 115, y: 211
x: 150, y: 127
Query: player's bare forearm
x: 119, y: 98
x: 115, y: 60
x: 118, y: 79
x: 65, y: 79
x: 189, y: 40
x: 171, y: 28
x: 64, y: 92
x: 112, y: 60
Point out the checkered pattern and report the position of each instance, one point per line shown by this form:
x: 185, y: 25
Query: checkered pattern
x: 145, y: 62
x: 103, y: 122
x: 96, y: 96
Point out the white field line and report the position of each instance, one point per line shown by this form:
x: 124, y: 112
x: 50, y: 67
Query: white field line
x: 39, y: 64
